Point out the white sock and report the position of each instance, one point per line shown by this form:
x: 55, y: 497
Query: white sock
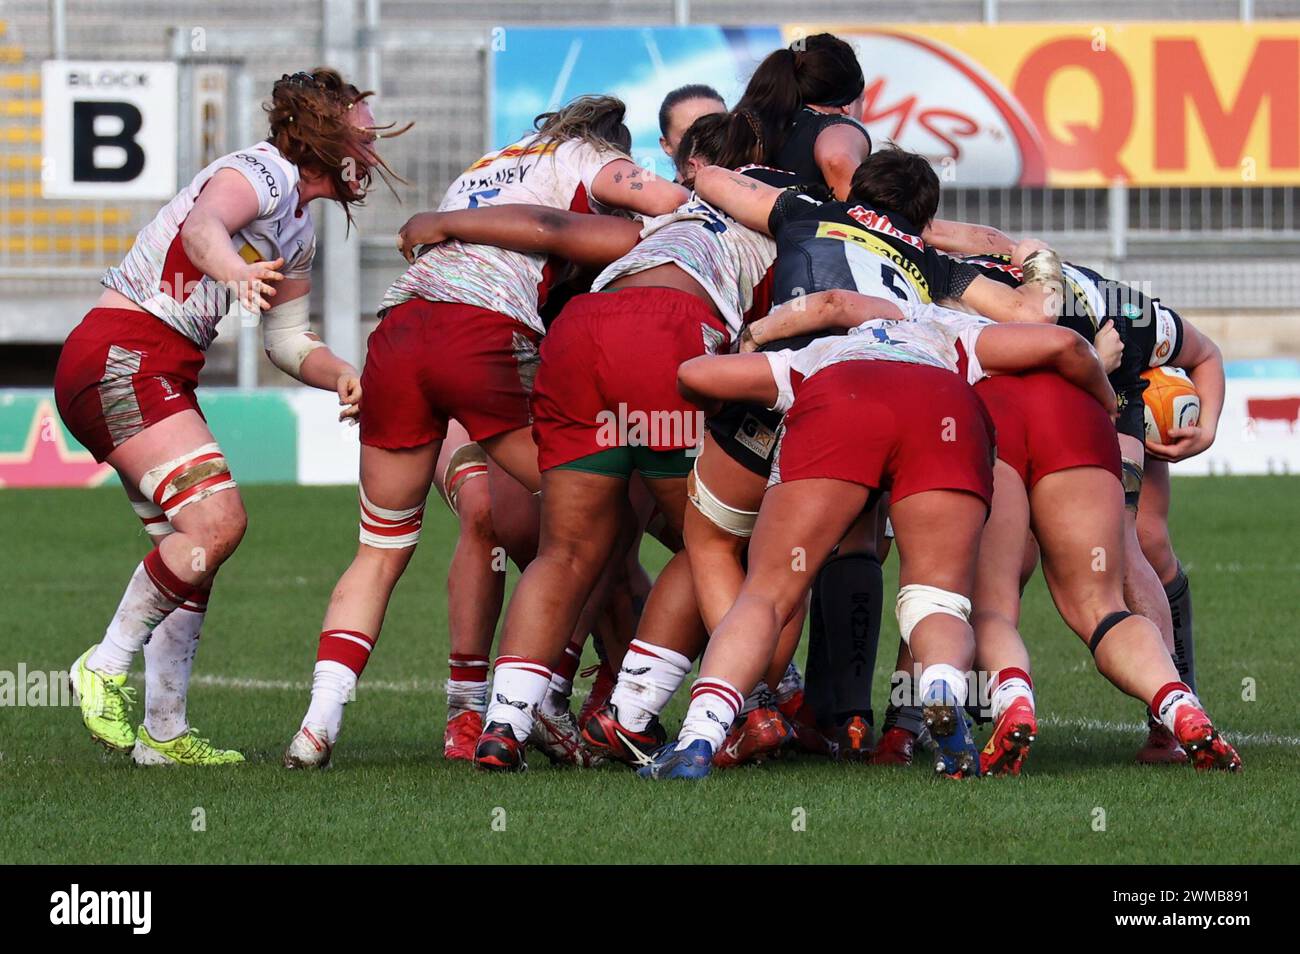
x: 790, y: 683
x: 332, y: 686
x: 556, y: 700
x: 646, y: 681
x: 761, y: 698
x: 1008, y: 691
x: 142, y: 608
x: 950, y: 676
x: 714, y: 704
x: 518, y: 686
x: 168, y: 659
x: 1172, y: 703
x: 464, y: 695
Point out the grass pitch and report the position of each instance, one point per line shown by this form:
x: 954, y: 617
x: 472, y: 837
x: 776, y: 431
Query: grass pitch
x: 391, y: 798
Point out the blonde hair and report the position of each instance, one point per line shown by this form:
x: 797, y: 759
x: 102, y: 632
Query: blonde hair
x: 596, y: 120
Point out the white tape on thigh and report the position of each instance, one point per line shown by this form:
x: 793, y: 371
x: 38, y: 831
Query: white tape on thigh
x: 739, y: 523
x: 389, y: 529
x: 187, y: 479
x: 916, y: 601
x: 155, y: 521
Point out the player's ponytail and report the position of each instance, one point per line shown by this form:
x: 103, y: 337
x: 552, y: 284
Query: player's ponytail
x: 310, y: 115
x: 730, y: 140
x: 819, y: 70
x: 596, y: 120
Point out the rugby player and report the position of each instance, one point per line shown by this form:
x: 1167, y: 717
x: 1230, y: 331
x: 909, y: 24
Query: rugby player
x: 1148, y: 334
x: 678, y: 112
x: 458, y: 337
x: 612, y: 356
x: 241, y: 230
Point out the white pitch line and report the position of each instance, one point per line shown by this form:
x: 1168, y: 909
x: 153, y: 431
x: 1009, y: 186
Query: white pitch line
x: 1133, y: 728
x: 414, y: 685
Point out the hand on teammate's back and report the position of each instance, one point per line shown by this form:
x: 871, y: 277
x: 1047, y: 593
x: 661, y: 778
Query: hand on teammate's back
x: 420, y: 229
x: 1109, y: 345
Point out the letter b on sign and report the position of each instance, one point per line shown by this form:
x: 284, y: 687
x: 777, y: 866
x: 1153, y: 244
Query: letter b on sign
x: 103, y: 132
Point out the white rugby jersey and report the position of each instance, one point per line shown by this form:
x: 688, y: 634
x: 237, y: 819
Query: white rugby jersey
x: 726, y: 258
x: 159, y: 277
x: 529, y: 172
x: 929, y: 335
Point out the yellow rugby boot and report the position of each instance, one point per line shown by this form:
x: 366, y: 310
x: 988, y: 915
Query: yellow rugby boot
x: 105, y: 703
x: 188, y: 748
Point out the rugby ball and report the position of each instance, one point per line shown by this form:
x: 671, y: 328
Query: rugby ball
x: 1171, y: 401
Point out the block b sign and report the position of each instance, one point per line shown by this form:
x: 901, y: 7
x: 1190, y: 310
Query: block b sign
x: 109, y: 130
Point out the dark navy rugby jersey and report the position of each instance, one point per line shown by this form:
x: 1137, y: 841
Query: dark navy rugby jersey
x: 851, y: 245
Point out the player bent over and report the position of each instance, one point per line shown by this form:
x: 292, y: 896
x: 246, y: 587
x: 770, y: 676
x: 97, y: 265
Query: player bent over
x: 125, y: 387
x: 1058, y: 473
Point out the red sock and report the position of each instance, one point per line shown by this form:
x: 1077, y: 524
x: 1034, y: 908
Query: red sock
x: 346, y: 647
x: 568, y: 667
x: 1011, y: 672
x: 466, y: 667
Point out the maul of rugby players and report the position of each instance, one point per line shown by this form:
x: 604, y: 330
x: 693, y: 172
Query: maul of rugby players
x: 1058, y: 474
x: 1149, y: 334
x: 683, y: 290
x: 887, y: 407
x: 872, y: 244
x: 458, y: 338
x: 126, y: 379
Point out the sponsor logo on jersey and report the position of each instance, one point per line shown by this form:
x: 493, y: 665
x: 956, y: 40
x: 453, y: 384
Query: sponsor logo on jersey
x: 267, y: 176
x: 877, y: 222
x: 880, y: 248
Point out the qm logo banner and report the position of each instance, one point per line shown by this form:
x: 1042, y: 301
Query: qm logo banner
x: 1084, y: 105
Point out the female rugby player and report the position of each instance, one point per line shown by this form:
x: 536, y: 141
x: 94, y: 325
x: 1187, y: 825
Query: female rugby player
x: 458, y: 337
x: 125, y: 385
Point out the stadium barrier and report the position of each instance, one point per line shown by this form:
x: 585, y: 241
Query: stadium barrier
x: 293, y: 436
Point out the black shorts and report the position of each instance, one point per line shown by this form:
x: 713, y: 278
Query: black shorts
x: 747, y: 433
x: 1132, y: 411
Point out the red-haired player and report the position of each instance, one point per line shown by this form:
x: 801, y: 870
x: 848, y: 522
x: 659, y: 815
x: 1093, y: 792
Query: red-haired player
x: 126, y: 379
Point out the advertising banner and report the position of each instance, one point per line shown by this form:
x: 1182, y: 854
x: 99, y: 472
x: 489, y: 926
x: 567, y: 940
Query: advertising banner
x: 1025, y: 104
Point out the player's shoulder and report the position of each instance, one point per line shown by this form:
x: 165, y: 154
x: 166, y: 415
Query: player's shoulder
x: 272, y: 175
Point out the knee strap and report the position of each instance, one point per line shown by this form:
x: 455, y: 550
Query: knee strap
x: 389, y: 529
x: 187, y: 479
x: 739, y: 523
x: 916, y: 601
x: 467, y: 462
x: 155, y: 521
x: 1132, y: 478
x: 1105, y: 626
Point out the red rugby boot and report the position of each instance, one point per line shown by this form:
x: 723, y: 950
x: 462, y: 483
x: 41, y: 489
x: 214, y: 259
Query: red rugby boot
x: 756, y: 737
x: 498, y: 750
x: 1202, y: 742
x: 807, y: 736
x: 894, y: 748
x: 1160, y: 748
x: 461, y: 736
x: 606, y: 737
x: 1008, y: 746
